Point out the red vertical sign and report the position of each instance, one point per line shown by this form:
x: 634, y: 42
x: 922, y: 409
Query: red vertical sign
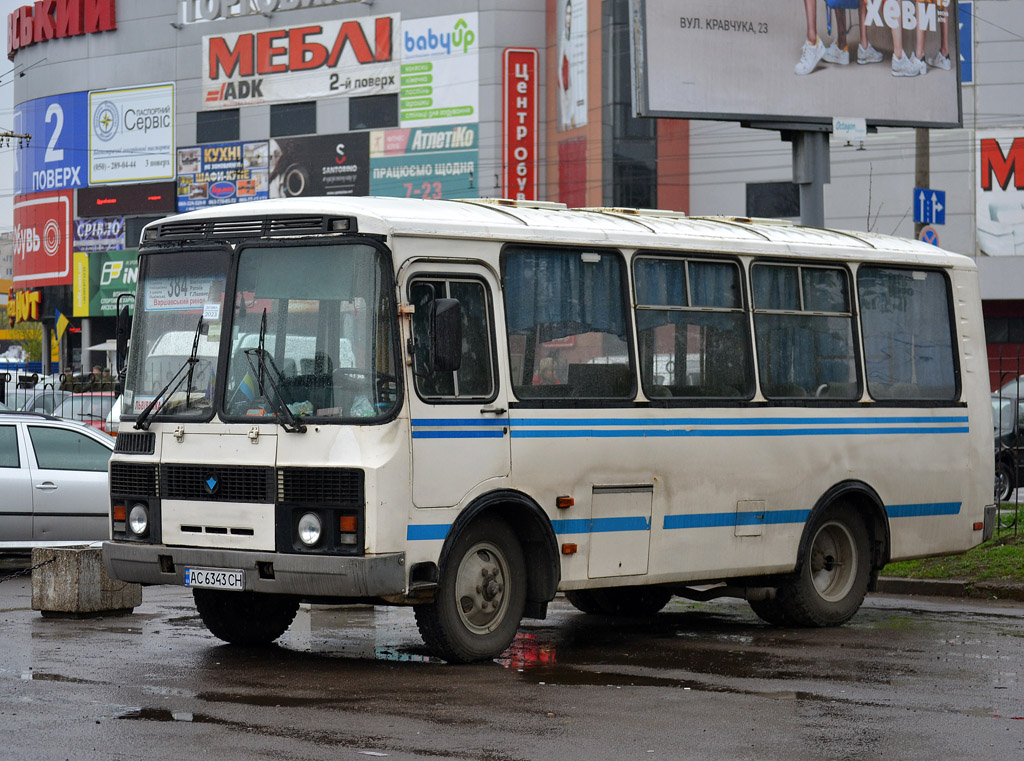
x: 519, y: 124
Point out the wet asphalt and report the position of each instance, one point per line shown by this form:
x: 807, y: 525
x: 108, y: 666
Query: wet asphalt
x: 908, y: 678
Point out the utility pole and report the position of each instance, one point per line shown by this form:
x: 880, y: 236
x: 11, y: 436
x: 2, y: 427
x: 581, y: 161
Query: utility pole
x: 922, y: 167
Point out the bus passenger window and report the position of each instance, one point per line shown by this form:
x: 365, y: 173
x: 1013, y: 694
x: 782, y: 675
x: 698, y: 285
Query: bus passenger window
x: 566, y: 316
x: 908, y: 334
x: 474, y: 380
x: 803, y: 321
x: 692, y: 331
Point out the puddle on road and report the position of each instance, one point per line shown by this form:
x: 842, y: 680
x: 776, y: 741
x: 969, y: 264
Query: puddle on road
x: 40, y: 676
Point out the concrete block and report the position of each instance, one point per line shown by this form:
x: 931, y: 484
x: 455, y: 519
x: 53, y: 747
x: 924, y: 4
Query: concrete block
x: 71, y: 582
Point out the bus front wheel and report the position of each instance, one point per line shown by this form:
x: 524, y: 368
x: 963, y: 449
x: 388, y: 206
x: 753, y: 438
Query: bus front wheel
x: 245, y: 618
x: 834, y: 571
x: 480, y: 597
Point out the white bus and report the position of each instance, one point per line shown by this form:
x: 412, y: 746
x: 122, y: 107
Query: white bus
x: 468, y: 406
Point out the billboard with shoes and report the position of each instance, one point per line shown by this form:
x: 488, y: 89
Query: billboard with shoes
x: 891, y: 62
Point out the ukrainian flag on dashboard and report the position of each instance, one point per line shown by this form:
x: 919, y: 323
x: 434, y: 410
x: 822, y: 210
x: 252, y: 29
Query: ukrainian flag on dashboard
x: 248, y: 387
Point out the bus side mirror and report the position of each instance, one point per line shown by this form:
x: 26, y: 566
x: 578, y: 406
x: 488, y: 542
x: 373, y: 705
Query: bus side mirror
x: 445, y: 335
x: 121, y: 333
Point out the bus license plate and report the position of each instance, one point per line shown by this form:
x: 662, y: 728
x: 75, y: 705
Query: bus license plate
x: 215, y: 578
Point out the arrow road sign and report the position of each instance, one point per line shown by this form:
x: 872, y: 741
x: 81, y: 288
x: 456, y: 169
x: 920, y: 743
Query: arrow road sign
x: 929, y: 206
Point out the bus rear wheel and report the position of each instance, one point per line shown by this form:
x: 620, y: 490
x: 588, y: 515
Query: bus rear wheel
x: 834, y: 572
x: 245, y: 618
x: 620, y: 601
x: 480, y: 598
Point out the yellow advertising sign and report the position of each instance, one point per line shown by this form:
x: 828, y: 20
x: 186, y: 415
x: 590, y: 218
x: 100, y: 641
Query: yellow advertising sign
x: 80, y: 284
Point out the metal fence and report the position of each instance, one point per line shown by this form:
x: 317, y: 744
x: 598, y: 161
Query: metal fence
x: 1005, y: 367
x: 88, y: 397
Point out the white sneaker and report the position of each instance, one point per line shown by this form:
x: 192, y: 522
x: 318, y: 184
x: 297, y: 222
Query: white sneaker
x: 904, y: 67
x: 834, y: 54
x: 810, y: 55
x: 922, y: 67
x: 939, y: 61
x: 868, y: 54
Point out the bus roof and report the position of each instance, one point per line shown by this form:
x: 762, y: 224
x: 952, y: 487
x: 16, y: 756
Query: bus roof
x: 535, y: 221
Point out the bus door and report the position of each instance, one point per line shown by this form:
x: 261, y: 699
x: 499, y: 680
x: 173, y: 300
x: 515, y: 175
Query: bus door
x: 460, y: 426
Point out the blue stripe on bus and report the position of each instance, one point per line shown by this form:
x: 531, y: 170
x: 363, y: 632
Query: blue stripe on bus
x: 601, y: 525
x: 437, y: 531
x: 749, y: 432
x: 652, y: 421
x: 458, y: 434
x: 925, y: 509
x: 450, y: 422
x: 716, y: 520
x: 427, y: 531
x: 575, y: 428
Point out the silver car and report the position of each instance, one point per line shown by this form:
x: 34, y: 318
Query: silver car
x: 53, y: 479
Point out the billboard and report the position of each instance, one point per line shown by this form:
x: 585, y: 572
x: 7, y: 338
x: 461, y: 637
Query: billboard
x: 305, y: 62
x: 571, y: 64
x: 54, y: 159
x: 320, y: 165
x: 440, y: 70
x: 42, y: 239
x: 425, y: 162
x: 999, y: 196
x: 99, y: 234
x: 131, y: 134
x: 100, y: 278
x: 222, y: 173
x: 752, y: 59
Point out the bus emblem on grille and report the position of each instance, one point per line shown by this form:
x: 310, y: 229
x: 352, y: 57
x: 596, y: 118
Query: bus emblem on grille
x: 211, y: 483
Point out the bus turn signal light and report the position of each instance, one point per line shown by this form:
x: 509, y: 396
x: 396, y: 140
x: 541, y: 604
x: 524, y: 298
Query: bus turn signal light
x: 569, y: 548
x: 564, y: 502
x: 979, y: 526
x: 347, y: 524
x: 119, y: 513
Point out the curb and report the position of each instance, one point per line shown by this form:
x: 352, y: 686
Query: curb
x: 980, y: 590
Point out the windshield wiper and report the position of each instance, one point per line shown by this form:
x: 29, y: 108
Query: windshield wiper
x: 142, y: 423
x: 265, y: 377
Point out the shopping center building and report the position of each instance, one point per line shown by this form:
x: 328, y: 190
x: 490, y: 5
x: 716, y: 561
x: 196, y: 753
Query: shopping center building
x: 138, y: 109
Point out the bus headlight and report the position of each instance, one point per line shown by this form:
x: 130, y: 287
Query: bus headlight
x: 138, y: 519
x: 310, y: 529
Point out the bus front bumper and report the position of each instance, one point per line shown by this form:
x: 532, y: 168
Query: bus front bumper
x: 301, y: 575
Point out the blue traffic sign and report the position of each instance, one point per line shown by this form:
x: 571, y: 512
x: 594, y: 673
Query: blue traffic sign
x: 929, y: 206
x: 929, y: 235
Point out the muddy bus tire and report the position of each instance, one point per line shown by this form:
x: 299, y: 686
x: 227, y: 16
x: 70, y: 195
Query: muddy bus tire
x: 480, y: 598
x: 628, y: 602
x: 834, y: 571
x: 245, y: 618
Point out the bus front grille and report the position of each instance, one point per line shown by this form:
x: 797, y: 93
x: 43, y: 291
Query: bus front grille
x: 134, y: 479
x: 135, y: 442
x: 218, y: 483
x: 333, y: 486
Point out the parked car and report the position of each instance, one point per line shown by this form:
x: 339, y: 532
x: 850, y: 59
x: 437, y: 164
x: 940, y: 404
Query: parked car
x: 53, y: 478
x: 1008, y: 424
x: 90, y: 407
x: 1012, y: 389
x: 42, y: 399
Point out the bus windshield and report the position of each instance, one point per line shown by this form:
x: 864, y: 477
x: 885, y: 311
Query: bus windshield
x: 180, y: 309
x: 312, y: 331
